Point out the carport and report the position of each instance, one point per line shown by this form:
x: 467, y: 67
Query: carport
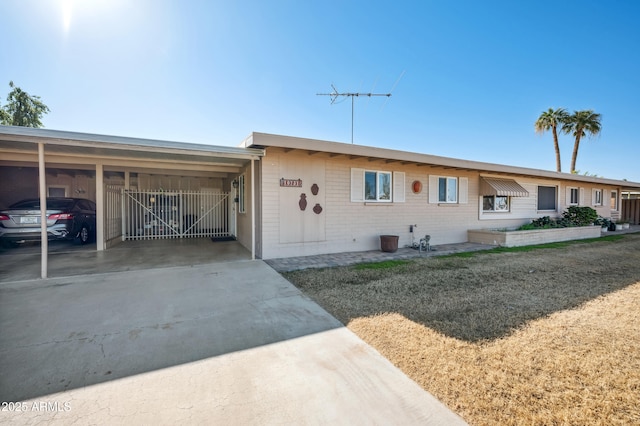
x: 143, y: 189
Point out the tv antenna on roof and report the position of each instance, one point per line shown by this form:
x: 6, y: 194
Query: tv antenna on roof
x: 335, y: 95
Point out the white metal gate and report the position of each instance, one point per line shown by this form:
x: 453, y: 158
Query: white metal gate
x: 176, y: 214
x: 113, y: 219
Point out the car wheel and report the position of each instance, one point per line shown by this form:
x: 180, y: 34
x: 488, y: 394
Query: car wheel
x: 84, y: 235
x: 10, y: 244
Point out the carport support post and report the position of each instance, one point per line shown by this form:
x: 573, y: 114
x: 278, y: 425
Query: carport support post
x: 99, y: 207
x: 253, y: 210
x: 127, y: 183
x: 44, y: 238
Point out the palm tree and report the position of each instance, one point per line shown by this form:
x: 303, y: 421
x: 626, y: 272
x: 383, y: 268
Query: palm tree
x: 582, y: 123
x: 551, y: 119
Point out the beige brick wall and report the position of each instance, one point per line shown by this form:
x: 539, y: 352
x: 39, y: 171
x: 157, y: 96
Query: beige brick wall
x: 356, y: 226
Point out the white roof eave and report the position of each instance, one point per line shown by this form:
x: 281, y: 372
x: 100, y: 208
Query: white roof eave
x: 288, y: 142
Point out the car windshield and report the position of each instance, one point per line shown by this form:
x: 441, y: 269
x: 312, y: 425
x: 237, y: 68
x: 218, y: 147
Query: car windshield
x: 51, y: 204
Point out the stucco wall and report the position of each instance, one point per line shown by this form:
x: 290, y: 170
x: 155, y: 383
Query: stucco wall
x: 345, y: 226
x: 244, y: 227
x: 24, y: 183
x: 168, y: 182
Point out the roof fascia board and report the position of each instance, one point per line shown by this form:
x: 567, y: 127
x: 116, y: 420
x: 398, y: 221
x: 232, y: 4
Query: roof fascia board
x: 56, y: 137
x: 264, y: 140
x: 106, y: 159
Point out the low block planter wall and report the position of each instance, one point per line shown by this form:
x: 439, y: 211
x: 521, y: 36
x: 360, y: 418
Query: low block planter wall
x: 532, y: 237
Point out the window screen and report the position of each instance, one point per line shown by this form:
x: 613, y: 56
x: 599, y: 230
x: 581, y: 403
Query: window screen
x: 546, y: 198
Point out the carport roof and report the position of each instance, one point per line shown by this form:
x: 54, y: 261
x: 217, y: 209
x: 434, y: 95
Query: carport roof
x: 63, y: 142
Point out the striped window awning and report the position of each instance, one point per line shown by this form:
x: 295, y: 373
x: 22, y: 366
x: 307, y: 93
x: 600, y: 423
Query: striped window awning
x: 502, y: 187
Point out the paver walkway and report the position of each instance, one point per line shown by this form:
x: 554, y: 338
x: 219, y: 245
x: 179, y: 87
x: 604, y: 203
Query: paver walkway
x: 351, y: 258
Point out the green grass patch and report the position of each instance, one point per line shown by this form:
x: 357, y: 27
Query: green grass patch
x: 385, y: 264
x: 522, y: 249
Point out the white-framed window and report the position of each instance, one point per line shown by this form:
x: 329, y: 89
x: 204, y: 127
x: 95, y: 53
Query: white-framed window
x: 448, y: 190
x: 573, y: 196
x: 495, y: 203
x: 241, y: 194
x: 374, y: 186
x: 547, y: 198
x: 57, y: 191
x: 597, y: 197
x: 614, y: 200
x: 377, y: 186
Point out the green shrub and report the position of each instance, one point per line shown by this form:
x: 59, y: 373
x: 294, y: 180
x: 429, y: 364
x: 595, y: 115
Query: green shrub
x: 545, y: 222
x: 573, y: 216
x: 579, y: 216
x: 602, y: 221
x: 542, y: 222
x: 527, y: 227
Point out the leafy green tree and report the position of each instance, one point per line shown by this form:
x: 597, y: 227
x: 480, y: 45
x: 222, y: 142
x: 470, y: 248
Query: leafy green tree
x: 551, y: 120
x: 580, y: 124
x: 22, y: 109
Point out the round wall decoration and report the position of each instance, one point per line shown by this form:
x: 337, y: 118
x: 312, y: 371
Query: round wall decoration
x: 416, y: 187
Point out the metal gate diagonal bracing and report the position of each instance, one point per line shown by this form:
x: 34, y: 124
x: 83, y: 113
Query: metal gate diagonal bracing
x: 176, y: 214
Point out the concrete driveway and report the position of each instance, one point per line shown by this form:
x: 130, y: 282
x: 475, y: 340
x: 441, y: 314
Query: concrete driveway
x: 66, y: 259
x: 222, y: 343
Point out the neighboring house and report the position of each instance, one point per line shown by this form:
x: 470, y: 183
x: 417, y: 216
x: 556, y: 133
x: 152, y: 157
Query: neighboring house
x: 281, y: 196
x: 629, y: 195
x: 365, y: 192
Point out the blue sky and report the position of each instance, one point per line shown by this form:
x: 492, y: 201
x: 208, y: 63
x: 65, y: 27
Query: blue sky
x: 468, y: 78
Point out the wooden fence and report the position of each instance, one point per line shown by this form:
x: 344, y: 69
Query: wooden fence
x: 631, y: 211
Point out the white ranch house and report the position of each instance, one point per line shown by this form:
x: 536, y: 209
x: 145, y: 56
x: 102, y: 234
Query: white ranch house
x: 283, y: 196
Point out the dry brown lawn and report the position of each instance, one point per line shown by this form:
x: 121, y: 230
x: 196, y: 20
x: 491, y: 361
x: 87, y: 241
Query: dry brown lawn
x: 545, y: 337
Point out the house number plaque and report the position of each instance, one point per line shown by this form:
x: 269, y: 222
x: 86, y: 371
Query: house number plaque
x: 291, y: 183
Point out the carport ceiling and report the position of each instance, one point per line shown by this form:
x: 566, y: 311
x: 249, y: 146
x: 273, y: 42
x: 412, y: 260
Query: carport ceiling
x: 147, y: 154
x: 66, y: 144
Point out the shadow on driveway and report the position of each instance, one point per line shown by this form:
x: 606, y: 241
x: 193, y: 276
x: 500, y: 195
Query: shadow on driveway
x: 65, y: 333
x: 68, y: 259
